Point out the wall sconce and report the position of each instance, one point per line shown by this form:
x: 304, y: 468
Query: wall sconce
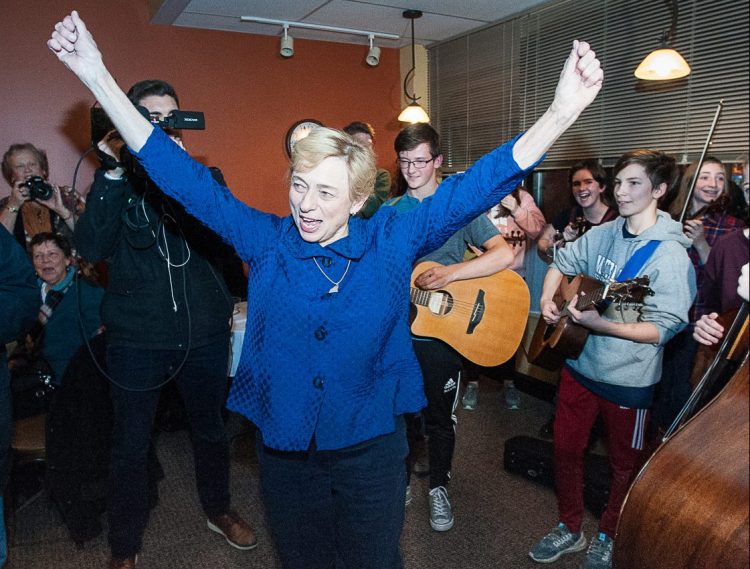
x: 373, y: 54
x: 287, y: 44
x: 413, y: 113
x: 287, y: 41
x: 664, y: 63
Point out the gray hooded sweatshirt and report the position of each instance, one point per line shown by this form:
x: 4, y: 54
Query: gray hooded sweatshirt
x: 601, y: 253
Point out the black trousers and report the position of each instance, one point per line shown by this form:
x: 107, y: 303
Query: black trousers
x: 441, y: 368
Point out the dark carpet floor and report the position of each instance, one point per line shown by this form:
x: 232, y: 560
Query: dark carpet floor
x: 498, y: 515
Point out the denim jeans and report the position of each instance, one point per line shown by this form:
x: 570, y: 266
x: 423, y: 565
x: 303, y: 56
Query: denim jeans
x: 202, y: 382
x: 334, y: 509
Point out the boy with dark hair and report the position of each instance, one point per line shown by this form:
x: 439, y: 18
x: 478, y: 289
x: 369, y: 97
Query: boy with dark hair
x: 418, y: 149
x: 167, y: 311
x: 620, y: 365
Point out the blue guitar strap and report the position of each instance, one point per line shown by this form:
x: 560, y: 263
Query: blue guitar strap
x: 637, y: 260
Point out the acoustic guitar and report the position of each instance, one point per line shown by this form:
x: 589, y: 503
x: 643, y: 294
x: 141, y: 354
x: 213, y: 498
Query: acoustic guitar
x: 483, y: 319
x: 552, y: 344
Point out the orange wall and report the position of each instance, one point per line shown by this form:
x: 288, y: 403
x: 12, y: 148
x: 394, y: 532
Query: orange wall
x: 249, y: 94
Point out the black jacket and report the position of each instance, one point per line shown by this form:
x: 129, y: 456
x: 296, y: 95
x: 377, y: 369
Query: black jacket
x: 19, y: 305
x: 165, y: 289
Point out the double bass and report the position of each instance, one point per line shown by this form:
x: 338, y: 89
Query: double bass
x: 688, y: 507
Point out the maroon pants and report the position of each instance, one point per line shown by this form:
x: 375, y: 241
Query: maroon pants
x: 577, y: 409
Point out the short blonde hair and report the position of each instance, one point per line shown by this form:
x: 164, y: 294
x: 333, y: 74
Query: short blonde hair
x: 324, y: 143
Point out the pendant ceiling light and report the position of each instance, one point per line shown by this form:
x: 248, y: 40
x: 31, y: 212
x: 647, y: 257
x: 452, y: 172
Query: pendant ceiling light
x: 413, y: 113
x: 664, y: 63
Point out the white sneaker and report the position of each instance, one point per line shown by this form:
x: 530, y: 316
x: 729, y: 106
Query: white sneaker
x: 512, y: 396
x: 408, y: 495
x: 471, y: 396
x: 441, y: 514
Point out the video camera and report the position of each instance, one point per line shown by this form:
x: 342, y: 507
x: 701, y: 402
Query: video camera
x: 176, y: 120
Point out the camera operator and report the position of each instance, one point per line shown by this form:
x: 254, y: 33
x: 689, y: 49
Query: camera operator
x: 167, y: 313
x: 35, y: 205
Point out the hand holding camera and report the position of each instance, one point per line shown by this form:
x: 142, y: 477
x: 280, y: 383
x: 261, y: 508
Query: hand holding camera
x: 109, y: 150
x: 34, y: 188
x: 37, y: 189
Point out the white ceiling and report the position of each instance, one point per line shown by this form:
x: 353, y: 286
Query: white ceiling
x: 442, y: 19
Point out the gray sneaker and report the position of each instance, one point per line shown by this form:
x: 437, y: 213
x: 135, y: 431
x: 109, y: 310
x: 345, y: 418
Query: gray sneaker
x: 512, y: 397
x: 471, y: 396
x: 407, y: 499
x: 557, y: 542
x: 599, y: 555
x: 441, y: 514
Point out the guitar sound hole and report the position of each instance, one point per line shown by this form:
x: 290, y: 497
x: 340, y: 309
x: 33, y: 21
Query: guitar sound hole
x: 446, y: 303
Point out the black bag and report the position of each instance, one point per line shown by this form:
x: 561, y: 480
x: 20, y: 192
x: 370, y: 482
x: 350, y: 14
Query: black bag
x: 32, y: 386
x: 533, y: 459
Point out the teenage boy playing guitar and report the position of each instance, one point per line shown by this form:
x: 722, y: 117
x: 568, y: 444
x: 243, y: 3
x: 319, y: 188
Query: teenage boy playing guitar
x: 620, y: 364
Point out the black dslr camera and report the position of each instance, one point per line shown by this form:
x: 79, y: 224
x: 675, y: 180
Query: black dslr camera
x: 101, y: 125
x: 38, y: 188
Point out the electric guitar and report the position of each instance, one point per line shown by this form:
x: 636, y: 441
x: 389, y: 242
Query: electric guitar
x: 552, y: 344
x: 483, y: 319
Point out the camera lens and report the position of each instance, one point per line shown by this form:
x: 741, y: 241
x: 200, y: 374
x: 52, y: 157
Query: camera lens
x: 38, y: 188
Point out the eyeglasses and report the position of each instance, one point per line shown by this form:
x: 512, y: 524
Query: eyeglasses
x: 404, y: 164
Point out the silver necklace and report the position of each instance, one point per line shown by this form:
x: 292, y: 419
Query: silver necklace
x: 335, y: 287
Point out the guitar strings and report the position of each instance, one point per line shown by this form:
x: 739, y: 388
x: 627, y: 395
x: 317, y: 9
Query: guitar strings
x: 460, y: 306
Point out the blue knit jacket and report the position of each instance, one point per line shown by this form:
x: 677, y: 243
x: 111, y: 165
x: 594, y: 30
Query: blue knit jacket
x: 336, y: 367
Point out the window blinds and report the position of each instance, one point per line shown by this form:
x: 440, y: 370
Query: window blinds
x: 487, y: 85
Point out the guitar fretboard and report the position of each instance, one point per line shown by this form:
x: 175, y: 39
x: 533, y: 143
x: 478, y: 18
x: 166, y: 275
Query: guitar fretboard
x: 589, y: 299
x: 419, y: 296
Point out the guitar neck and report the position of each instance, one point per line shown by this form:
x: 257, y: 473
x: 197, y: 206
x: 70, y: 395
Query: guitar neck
x: 590, y: 299
x: 419, y: 296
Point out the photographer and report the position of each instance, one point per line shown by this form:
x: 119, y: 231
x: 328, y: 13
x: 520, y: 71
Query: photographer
x: 167, y: 312
x: 34, y: 204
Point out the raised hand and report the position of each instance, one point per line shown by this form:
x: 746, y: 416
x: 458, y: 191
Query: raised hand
x: 580, y: 80
x: 74, y: 45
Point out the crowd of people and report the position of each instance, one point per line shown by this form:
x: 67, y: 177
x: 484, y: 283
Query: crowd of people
x: 343, y: 412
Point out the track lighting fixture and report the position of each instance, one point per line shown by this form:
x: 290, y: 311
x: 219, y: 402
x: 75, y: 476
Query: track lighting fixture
x: 373, y: 54
x: 287, y: 44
